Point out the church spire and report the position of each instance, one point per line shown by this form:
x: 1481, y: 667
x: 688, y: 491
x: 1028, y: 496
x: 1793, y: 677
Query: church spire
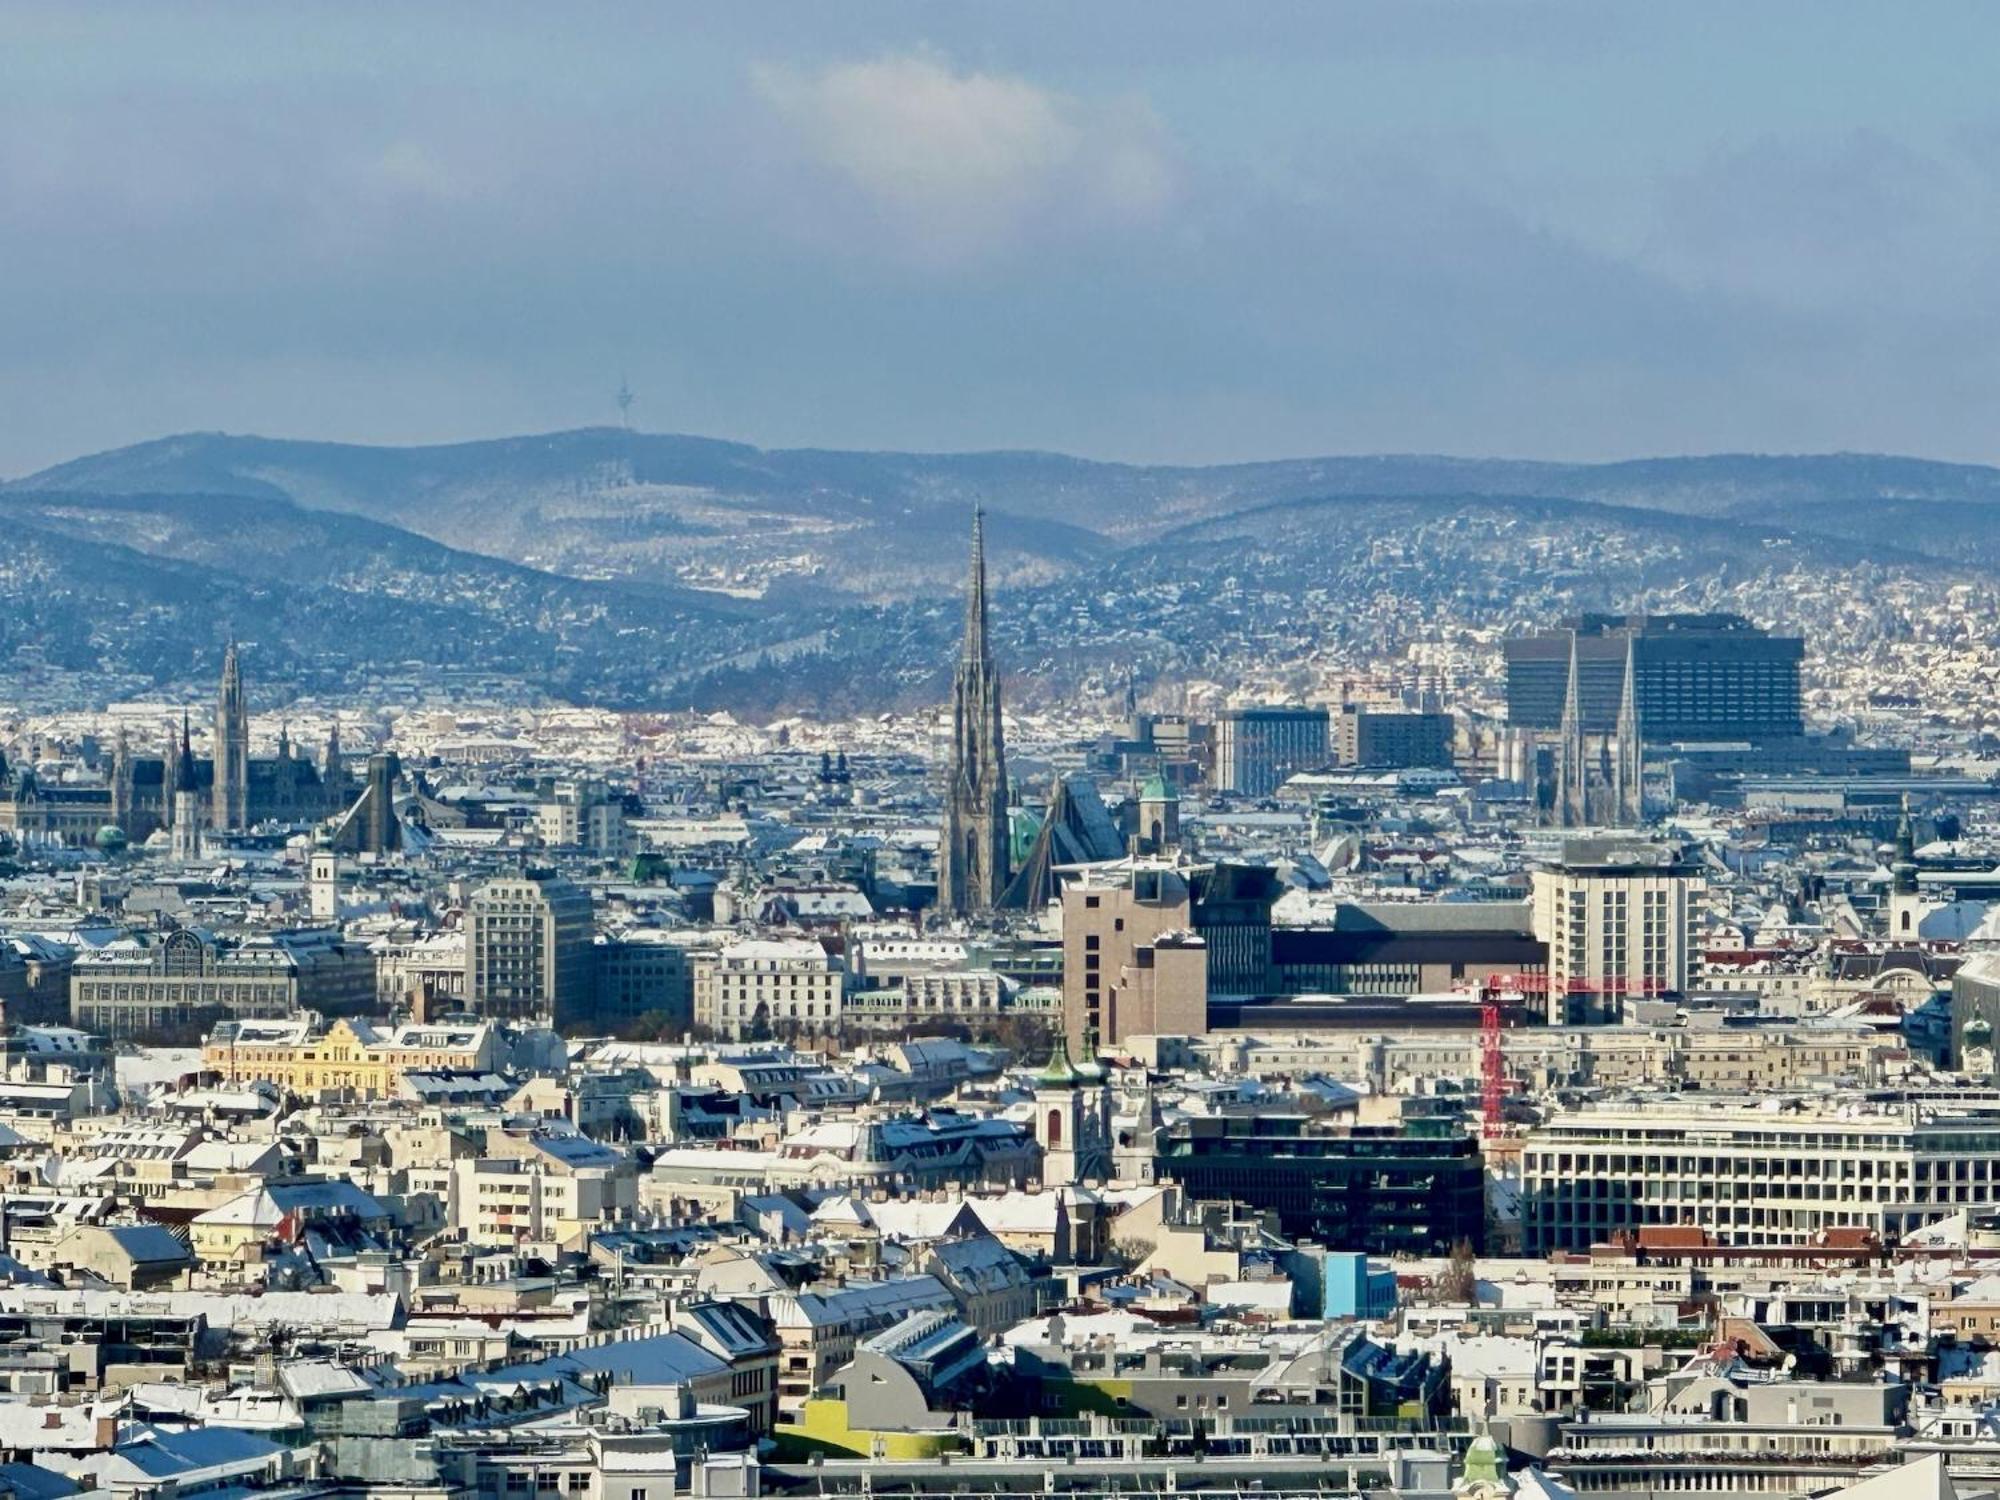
x: 1630, y: 776
x: 976, y: 648
x: 973, y: 846
x: 1903, y: 871
x: 1571, y: 810
x: 184, y: 777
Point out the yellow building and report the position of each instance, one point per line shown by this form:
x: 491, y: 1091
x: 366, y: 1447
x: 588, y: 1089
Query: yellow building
x: 349, y: 1059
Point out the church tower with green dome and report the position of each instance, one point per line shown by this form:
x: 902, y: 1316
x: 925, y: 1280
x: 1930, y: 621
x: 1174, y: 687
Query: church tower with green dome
x: 1073, y: 1119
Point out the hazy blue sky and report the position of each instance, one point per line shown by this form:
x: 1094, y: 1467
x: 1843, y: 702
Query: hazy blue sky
x: 1143, y: 230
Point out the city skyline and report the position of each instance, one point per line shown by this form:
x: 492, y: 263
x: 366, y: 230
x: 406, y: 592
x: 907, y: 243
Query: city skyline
x: 607, y: 963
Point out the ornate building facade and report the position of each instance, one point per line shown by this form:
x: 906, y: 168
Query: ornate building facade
x: 232, y: 789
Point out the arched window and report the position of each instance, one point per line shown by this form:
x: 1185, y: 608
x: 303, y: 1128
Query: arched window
x: 1055, y: 1127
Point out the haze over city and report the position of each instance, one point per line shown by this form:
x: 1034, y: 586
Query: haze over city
x: 1154, y: 233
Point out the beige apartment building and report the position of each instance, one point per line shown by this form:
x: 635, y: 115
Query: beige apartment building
x: 1618, y: 916
x: 1132, y: 963
x: 769, y: 986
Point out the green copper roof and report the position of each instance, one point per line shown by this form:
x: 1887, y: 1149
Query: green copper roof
x: 1157, y: 790
x: 1060, y: 1073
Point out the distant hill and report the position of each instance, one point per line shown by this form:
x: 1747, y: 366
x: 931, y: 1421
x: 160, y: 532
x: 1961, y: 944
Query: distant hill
x: 642, y: 570
x: 603, y: 502
x: 151, y: 585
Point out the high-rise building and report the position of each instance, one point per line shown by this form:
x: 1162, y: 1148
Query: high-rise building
x: 1391, y: 738
x: 973, y: 843
x: 1258, y: 749
x: 1694, y: 677
x: 1132, y: 964
x: 232, y: 748
x: 529, y: 950
x: 1617, y: 916
x: 1146, y: 945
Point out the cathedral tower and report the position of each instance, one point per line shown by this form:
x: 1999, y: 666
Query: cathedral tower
x: 1572, y: 768
x: 973, y: 845
x: 121, y: 782
x: 232, y: 748
x: 187, y: 802
x: 1629, y: 782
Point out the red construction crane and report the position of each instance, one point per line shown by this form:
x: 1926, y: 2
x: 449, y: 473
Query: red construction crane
x: 1492, y: 1067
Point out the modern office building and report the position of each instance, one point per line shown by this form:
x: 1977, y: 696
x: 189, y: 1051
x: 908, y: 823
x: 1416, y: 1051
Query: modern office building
x: 641, y: 974
x: 528, y: 950
x: 1258, y: 749
x: 1393, y: 739
x: 1696, y: 677
x: 1618, y: 917
x: 1145, y: 948
x: 1381, y: 1190
x: 1408, y: 948
x: 1751, y: 1173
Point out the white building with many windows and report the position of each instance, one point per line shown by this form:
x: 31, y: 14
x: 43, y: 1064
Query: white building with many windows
x: 1769, y: 1170
x: 769, y: 987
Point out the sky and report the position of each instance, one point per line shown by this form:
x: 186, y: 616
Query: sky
x: 1148, y: 231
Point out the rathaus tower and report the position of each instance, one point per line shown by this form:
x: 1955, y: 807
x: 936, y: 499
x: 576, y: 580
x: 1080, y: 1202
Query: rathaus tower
x: 232, y: 748
x: 972, y: 848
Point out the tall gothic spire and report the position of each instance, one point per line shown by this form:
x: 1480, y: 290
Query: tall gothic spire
x: 1572, y: 771
x: 975, y: 647
x: 184, y: 777
x: 973, y: 844
x: 1629, y: 778
x: 232, y: 746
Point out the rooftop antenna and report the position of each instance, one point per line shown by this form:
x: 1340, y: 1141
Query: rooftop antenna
x: 625, y: 402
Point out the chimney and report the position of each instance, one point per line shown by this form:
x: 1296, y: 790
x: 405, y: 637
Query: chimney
x: 107, y: 1432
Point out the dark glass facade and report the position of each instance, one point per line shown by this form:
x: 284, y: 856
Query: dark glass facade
x: 1379, y: 1189
x: 1696, y: 677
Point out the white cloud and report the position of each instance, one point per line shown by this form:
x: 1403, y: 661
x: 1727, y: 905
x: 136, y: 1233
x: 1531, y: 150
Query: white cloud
x: 960, y: 163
